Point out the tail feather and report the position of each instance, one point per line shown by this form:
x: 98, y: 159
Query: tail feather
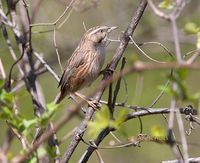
x: 59, y: 97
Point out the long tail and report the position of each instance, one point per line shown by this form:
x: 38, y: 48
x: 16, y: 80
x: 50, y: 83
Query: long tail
x: 59, y: 97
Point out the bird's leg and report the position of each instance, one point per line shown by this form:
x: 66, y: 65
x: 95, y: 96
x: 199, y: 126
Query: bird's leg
x: 72, y: 96
x: 92, y: 103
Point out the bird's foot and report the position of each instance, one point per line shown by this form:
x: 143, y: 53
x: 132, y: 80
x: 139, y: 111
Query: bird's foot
x: 94, y: 104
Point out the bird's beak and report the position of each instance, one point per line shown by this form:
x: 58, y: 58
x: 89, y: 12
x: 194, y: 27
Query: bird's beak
x: 112, y: 28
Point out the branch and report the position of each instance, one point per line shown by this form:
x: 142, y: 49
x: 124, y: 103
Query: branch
x: 48, y: 67
x: 191, y: 160
x: 153, y: 111
x: 117, y: 87
x: 73, y: 110
x: 58, y: 19
x: 143, y: 112
x: 176, y: 39
x: 139, y: 66
x: 118, y: 55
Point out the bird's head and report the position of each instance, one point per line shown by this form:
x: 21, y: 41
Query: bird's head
x: 99, y: 34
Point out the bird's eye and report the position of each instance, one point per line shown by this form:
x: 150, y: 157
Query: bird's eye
x: 101, y: 30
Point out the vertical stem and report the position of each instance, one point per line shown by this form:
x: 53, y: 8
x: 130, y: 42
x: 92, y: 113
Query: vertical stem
x: 176, y: 39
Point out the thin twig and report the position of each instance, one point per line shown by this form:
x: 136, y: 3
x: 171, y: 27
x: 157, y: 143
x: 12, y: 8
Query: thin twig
x: 56, y: 48
x: 115, y: 137
x: 160, y: 44
x: 58, y: 19
x: 194, y: 57
x: 157, y: 11
x: 10, y: 47
x: 154, y: 60
x: 183, y: 137
x: 146, y: 43
x: 117, y: 87
x: 38, y: 56
x: 194, y: 160
x: 65, y: 20
x: 160, y: 94
x: 22, y: 139
x: 176, y: 39
x: 170, y: 127
x: 99, y: 156
x: 2, y: 71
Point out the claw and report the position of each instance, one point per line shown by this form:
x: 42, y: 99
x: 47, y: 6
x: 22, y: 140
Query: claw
x: 94, y: 104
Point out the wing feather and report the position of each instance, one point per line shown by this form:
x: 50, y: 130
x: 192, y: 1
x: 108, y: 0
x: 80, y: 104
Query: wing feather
x: 76, y: 60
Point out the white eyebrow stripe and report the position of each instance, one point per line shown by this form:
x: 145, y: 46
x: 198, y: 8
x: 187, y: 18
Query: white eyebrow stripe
x: 94, y: 31
x: 97, y: 30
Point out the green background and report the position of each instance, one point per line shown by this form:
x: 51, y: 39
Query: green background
x: 142, y: 87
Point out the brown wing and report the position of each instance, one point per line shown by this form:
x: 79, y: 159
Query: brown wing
x: 74, y: 81
x: 76, y: 60
x: 77, y: 79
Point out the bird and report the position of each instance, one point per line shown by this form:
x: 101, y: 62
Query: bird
x: 85, y: 63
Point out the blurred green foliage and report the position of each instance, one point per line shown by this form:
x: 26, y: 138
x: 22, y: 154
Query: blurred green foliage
x: 166, y: 4
x: 102, y: 120
x: 158, y: 132
x: 16, y: 120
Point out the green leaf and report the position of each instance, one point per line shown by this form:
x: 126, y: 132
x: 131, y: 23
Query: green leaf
x: 166, y: 4
x: 52, y: 106
x: 194, y: 98
x: 196, y: 95
x: 182, y: 73
x: 119, y: 119
x: 5, y: 113
x: 34, y: 158
x: 101, y: 121
x: 25, y: 125
x: 51, y: 109
x: 29, y: 123
x: 7, y: 97
x: 179, y: 77
x: 191, y: 28
x: 51, y: 151
x: 158, y: 132
x: 41, y: 152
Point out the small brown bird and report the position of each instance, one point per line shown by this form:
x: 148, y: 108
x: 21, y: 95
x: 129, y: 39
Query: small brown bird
x: 85, y: 64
